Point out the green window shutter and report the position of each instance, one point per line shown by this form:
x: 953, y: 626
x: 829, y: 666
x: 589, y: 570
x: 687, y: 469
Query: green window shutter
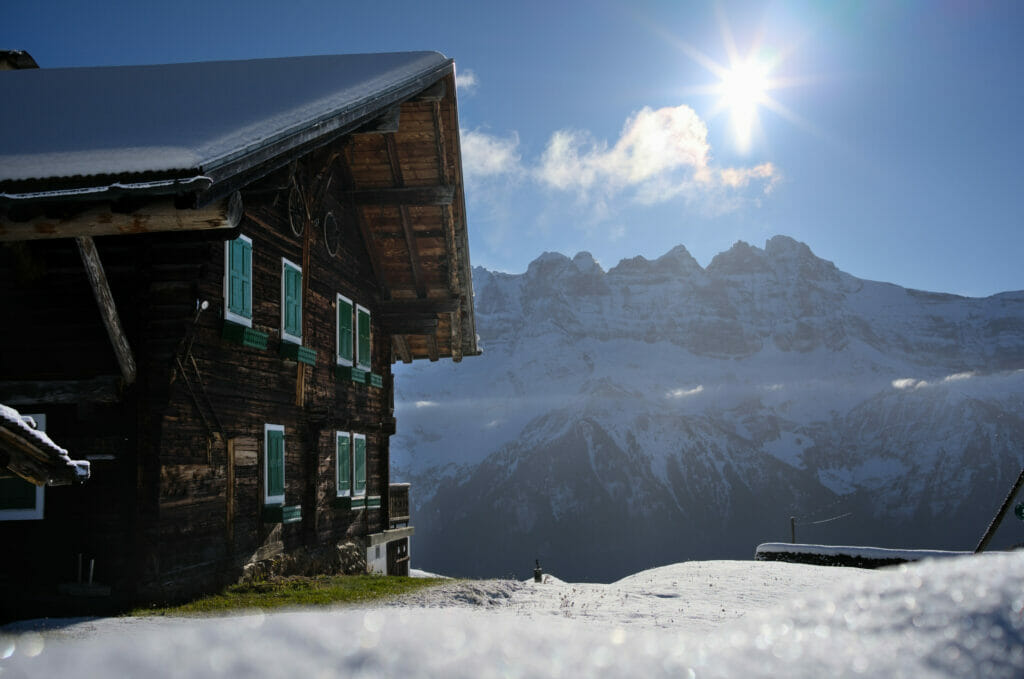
x: 240, y: 277
x: 17, y: 494
x: 344, y: 465
x: 344, y: 330
x: 275, y: 463
x: 363, y: 328
x: 292, y: 301
x: 359, y: 480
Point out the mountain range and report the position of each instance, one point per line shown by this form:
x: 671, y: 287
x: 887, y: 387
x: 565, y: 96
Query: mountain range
x: 661, y: 411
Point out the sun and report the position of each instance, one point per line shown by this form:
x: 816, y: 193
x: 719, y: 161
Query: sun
x: 744, y: 84
x: 743, y: 89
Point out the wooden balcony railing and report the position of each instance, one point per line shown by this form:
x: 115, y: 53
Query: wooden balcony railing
x: 398, y: 503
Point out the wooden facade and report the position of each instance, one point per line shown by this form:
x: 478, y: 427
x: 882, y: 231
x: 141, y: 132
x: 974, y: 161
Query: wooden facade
x: 183, y: 442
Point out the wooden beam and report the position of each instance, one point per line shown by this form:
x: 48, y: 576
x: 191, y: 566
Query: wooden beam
x: 356, y: 214
x: 414, y: 252
x: 412, y: 307
x: 408, y: 325
x: 385, y: 123
x: 158, y: 216
x: 30, y: 462
x: 108, y: 311
x: 456, y: 335
x: 432, y: 347
x: 433, y: 93
x: 401, y: 346
x: 406, y: 219
x: 104, y: 389
x: 402, y: 195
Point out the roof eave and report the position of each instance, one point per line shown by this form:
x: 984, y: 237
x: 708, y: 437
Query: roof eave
x: 233, y: 172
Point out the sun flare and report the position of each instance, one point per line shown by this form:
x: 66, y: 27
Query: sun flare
x: 744, y: 84
x: 743, y: 89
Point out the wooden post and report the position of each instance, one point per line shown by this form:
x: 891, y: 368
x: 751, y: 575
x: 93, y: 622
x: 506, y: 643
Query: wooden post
x: 108, y: 311
x: 992, y: 527
x: 792, y: 530
x: 229, y: 498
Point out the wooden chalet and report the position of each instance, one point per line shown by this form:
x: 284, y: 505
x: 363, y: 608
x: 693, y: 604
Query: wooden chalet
x: 207, y: 271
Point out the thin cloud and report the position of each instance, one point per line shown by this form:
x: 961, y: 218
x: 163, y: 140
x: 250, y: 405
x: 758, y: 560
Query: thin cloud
x: 660, y: 154
x: 909, y: 383
x: 466, y: 81
x: 683, y: 393
x: 485, y: 155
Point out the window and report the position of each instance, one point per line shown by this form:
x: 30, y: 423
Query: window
x: 343, y: 464
x: 291, y: 302
x: 359, y: 464
x: 238, y: 281
x: 344, y: 356
x: 273, y: 464
x: 362, y: 337
x: 19, y: 499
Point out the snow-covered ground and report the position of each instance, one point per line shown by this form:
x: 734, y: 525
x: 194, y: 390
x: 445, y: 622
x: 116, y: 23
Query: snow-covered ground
x: 944, y: 618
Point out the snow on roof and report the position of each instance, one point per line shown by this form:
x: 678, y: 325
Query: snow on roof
x: 26, y: 428
x: 862, y: 552
x: 184, y: 118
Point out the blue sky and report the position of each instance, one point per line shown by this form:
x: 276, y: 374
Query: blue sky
x: 888, y: 135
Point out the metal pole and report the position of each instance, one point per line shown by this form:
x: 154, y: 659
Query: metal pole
x: 792, y: 530
x: 992, y: 527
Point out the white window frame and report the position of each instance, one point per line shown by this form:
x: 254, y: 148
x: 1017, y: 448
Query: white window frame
x: 35, y: 514
x: 272, y: 499
x: 355, y: 344
x: 297, y: 339
x: 347, y: 362
x: 228, y: 314
x: 366, y: 454
x: 337, y: 461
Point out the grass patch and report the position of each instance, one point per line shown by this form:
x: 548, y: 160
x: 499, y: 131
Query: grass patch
x: 296, y: 591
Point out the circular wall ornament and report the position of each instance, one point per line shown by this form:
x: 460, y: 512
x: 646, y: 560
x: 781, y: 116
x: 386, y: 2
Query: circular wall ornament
x: 296, y: 210
x: 332, y: 234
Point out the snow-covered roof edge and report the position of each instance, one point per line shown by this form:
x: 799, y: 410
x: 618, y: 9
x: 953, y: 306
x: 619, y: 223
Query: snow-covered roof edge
x: 104, y: 145
x: 854, y: 551
x: 60, y: 460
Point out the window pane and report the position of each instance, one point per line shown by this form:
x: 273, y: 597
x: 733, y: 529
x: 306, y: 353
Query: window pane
x: 344, y: 470
x: 359, y: 482
x: 344, y: 330
x: 17, y: 494
x: 275, y: 463
x: 363, y: 326
x: 292, y: 301
x: 240, y: 277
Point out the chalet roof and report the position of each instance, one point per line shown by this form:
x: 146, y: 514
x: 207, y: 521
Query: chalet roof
x: 32, y: 455
x: 134, y: 128
x: 129, y: 149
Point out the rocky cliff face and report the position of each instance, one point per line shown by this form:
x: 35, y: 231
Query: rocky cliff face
x: 660, y: 411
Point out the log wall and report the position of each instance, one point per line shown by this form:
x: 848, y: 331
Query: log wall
x: 175, y: 504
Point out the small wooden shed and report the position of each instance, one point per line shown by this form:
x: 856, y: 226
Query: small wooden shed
x: 208, y: 270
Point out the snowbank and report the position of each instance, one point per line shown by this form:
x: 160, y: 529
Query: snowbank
x: 949, y: 618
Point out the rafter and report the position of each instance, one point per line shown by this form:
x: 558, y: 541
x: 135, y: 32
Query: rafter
x: 355, y: 213
x: 402, y: 195
x: 401, y: 346
x: 412, y: 307
x: 410, y: 236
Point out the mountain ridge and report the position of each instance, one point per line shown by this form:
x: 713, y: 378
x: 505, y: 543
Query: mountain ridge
x: 743, y: 389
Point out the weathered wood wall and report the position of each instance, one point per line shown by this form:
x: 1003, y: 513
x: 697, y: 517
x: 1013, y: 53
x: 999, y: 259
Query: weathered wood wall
x: 232, y: 391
